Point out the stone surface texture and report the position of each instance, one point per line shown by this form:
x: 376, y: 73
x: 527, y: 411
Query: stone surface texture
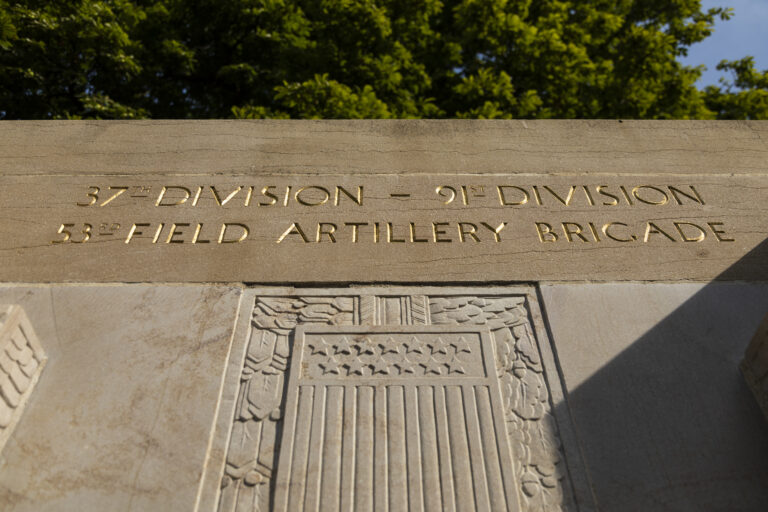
x: 241, y: 316
x: 664, y: 420
x: 422, y: 408
x: 755, y: 365
x: 372, y: 147
x: 122, y: 414
x: 21, y: 361
x: 105, y: 201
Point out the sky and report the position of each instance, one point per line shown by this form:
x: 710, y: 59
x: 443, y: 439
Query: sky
x: 746, y: 33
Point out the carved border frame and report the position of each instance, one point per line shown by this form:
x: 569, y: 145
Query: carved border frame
x: 576, y: 477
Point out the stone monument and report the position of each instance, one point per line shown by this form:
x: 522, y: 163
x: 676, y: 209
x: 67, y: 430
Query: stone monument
x: 382, y: 315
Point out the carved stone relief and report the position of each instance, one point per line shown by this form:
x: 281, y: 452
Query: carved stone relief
x: 755, y: 365
x: 409, y: 399
x: 21, y: 362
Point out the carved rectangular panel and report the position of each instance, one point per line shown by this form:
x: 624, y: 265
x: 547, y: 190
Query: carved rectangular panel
x: 396, y: 398
x: 402, y: 418
x: 21, y: 361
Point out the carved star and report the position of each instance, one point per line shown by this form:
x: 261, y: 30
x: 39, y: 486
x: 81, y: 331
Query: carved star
x: 319, y: 347
x: 355, y: 367
x: 406, y: 366
x: 343, y: 347
x: 461, y: 345
x: 380, y: 366
x: 454, y: 366
x: 439, y: 347
x: 330, y: 365
x: 432, y: 366
x: 366, y: 346
x: 415, y: 345
x: 389, y: 347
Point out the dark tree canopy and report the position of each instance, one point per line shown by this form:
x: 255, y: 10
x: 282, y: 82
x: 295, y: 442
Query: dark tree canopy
x: 364, y: 59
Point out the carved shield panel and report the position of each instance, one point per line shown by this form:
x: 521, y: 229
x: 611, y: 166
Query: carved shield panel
x: 394, y: 419
x: 419, y: 398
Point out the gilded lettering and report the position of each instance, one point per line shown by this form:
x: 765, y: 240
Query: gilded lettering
x: 326, y: 228
x: 546, y: 234
x: 135, y: 231
x: 496, y: 231
x: 658, y: 200
x: 358, y: 198
x: 197, y: 196
x: 718, y: 232
x: 180, y: 201
x: 219, y: 200
x: 414, y: 238
x: 174, y: 232
x: 157, y: 233
x: 248, y: 196
x: 652, y: 229
x: 196, y: 238
x: 567, y: 200
x: 294, y: 229
x: 607, y: 194
x: 537, y: 195
x: 355, y: 228
x: 696, y: 197
x: 305, y: 196
x: 438, y: 232
x: 701, y: 235
x: 505, y: 201
x: 626, y: 195
x: 223, y: 234
x: 391, y: 235
x: 266, y: 192
x: 467, y: 228
x: 607, y: 230
x: 577, y: 229
x: 446, y: 192
x: 593, y: 229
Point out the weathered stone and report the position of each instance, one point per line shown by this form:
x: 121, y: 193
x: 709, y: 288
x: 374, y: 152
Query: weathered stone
x: 396, y: 201
x: 359, y: 336
x: 21, y: 361
x: 755, y: 365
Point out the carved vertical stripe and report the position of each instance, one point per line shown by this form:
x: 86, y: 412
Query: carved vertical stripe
x: 331, y: 462
x: 314, y: 462
x: 380, y: 431
x: 413, y: 450
x: 349, y: 440
x: 405, y: 310
x: 445, y: 450
x: 300, y: 449
x: 457, y: 431
x: 477, y: 454
x: 364, y: 459
x: 396, y: 461
x: 429, y: 454
x: 498, y: 462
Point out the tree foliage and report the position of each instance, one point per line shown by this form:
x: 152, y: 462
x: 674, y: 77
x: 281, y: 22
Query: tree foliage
x: 364, y: 59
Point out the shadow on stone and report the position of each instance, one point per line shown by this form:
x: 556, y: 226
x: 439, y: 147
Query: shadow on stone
x: 668, y: 423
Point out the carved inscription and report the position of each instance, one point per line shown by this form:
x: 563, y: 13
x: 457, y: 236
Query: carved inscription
x: 21, y: 362
x: 349, y: 399
x: 361, y: 227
